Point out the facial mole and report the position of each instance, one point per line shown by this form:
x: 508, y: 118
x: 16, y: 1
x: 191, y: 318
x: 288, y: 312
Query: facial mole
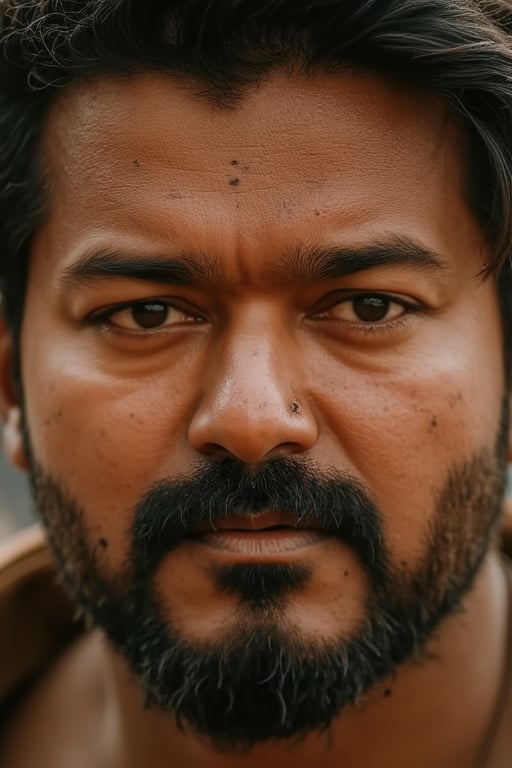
x: 388, y: 692
x: 136, y: 163
x: 234, y: 162
x: 434, y: 421
x: 234, y: 182
x: 103, y: 543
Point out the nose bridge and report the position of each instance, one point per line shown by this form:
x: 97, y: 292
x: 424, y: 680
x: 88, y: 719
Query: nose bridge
x: 251, y: 406
x: 256, y: 373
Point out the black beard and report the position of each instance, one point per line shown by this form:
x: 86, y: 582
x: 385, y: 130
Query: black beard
x: 262, y: 680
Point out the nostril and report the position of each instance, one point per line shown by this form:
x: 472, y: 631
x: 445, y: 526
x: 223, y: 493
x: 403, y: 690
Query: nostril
x: 215, y: 450
x: 252, y: 434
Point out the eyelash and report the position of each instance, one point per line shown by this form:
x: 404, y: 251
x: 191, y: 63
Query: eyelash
x: 101, y: 317
x: 378, y: 327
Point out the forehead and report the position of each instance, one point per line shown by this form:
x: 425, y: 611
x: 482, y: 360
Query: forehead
x: 295, y: 159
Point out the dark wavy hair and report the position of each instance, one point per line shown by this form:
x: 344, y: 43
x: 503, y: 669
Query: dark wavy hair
x: 458, y: 49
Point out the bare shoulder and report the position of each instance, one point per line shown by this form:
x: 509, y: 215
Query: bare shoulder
x: 57, y: 724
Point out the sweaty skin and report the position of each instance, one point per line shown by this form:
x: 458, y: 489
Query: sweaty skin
x: 146, y: 168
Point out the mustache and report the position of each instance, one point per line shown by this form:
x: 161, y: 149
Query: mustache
x: 218, y: 489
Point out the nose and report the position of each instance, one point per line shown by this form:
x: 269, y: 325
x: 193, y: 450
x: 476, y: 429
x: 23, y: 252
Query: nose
x: 251, y: 408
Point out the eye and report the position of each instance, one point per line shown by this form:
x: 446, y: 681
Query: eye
x: 368, y: 309
x: 149, y: 315
x: 146, y: 315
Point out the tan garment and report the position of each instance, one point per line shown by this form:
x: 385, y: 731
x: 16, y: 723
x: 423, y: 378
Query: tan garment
x: 36, y: 619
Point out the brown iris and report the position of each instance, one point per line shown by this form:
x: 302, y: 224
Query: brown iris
x: 150, y: 314
x: 371, y: 309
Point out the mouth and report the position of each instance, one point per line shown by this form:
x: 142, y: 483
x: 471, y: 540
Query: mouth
x: 261, y: 536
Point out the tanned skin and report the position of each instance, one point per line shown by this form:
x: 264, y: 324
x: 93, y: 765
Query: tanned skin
x: 146, y: 166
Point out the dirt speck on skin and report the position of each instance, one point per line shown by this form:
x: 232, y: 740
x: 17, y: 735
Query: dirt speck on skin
x: 456, y: 398
x: 53, y: 418
x: 234, y: 182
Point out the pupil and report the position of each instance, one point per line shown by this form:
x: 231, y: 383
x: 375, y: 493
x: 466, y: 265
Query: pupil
x: 371, y: 309
x: 150, y: 315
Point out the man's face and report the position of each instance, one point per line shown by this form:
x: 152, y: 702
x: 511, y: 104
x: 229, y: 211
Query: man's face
x: 281, y: 299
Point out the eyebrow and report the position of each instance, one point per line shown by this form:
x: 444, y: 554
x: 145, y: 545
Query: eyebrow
x: 183, y: 269
x: 302, y: 263
x: 313, y: 263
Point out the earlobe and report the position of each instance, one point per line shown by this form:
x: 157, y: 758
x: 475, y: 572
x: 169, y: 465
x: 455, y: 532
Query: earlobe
x: 10, y: 409
x: 13, y: 438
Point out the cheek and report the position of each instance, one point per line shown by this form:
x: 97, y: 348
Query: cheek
x: 410, y: 450
x: 401, y: 429
x: 107, y: 439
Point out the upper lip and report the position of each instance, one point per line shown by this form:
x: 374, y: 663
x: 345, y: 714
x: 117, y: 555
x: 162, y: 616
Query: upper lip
x: 259, y: 521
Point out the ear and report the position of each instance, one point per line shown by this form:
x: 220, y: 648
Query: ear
x: 10, y: 409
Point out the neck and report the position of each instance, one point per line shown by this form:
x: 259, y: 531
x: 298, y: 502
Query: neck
x: 439, y: 711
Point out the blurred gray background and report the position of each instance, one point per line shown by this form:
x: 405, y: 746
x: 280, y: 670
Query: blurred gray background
x: 15, y: 504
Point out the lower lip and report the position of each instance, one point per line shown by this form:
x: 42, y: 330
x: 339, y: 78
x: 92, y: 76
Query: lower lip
x: 263, y: 543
